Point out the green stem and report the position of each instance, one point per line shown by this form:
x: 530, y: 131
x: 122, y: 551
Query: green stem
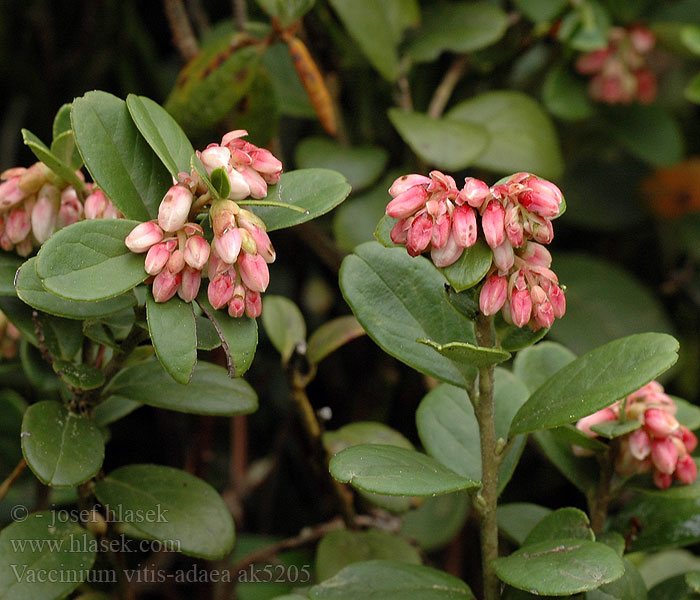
x: 490, y: 460
x: 599, y: 498
x: 249, y: 202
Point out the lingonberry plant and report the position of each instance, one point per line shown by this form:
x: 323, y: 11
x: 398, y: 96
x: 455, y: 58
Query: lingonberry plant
x: 472, y: 458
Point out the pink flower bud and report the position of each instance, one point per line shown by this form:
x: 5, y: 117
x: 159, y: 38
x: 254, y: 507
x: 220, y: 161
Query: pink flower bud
x: 690, y: 441
x: 686, y: 470
x: 232, y: 137
x: 448, y: 254
x: 662, y: 480
x: 440, y: 182
x: 220, y: 289
x: 33, y: 178
x: 189, y: 286
x: 215, y: 266
x: 493, y: 223
x: 239, y: 186
x: 223, y: 216
x: 193, y: 229
x: 419, y: 235
x: 253, y: 304
x: 474, y: 192
x: 602, y: 416
x: 493, y: 295
x: 643, y: 40
x: 664, y: 454
x: 592, y: 62
x: 197, y: 252
x: 265, y: 162
x: 541, y: 197
x: 406, y: 182
x: 237, y: 305
x: 556, y: 298
x: 18, y: 225
x: 407, y: 203
x: 441, y: 231
x: 647, y: 87
x: 464, y: 226
x: 520, y: 307
x: 95, y: 205
x: 215, y: 157
x: 176, y: 262
x: 228, y: 245
x: 165, y: 285
x: 503, y: 256
x: 10, y: 193
x: 174, y: 208
x: 262, y: 240
x: 45, y: 213
x: 5, y: 243
x: 513, y: 226
x: 157, y: 257
x: 659, y: 423
x: 143, y: 236
x: 536, y: 254
x: 640, y: 443
x: 651, y: 387
x: 247, y: 242
x: 544, y: 233
x: 70, y: 210
x: 541, y: 308
x: 256, y: 184
x: 254, y: 271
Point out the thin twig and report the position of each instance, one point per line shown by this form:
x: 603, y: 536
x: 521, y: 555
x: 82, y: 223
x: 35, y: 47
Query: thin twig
x: 240, y: 14
x: 199, y: 16
x: 181, y: 28
x: 442, y: 93
x: 12, y: 477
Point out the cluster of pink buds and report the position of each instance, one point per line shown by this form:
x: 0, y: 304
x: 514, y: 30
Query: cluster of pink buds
x: 661, y: 444
x: 34, y: 202
x: 619, y: 72
x: 9, y: 336
x: 236, y: 261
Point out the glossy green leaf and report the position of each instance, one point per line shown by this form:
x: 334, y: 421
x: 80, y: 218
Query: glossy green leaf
x: 522, y: 136
x: 459, y: 27
x: 332, y: 335
x: 341, y: 548
x: 687, y: 414
x: 67, y: 553
x: 377, y: 28
x: 89, y: 261
x: 363, y: 432
x: 31, y: 291
x: 360, y: 165
x: 534, y: 365
x: 395, y: 471
x: 37, y: 371
x: 186, y: 511
x: 690, y: 36
x: 81, y: 376
x: 614, y: 429
x: 565, y: 95
x: 513, y: 338
x: 540, y: 10
x: 585, y: 28
x: 399, y: 299
x: 560, y: 566
x: 601, y: 292
x: 210, y: 391
x: 612, y: 539
x: 8, y: 269
x: 118, y: 158
x: 62, y: 448
x: 470, y: 268
x: 629, y: 587
x: 468, y: 354
x: 161, y: 132
x: 582, y: 472
x: 568, y: 523
x: 207, y: 337
x: 648, y: 132
x: 596, y: 380
x: 61, y: 122
x: 284, y: 324
x: 390, y: 580
x: 436, y: 521
x: 448, y: 144
x: 52, y: 161
x: 317, y: 191
x: 383, y: 232
x: 219, y: 179
x: 692, y: 90
x: 239, y: 337
x: 287, y: 11
x: 112, y: 409
x: 673, y: 588
x: 517, y: 519
x: 173, y: 332
x: 65, y: 149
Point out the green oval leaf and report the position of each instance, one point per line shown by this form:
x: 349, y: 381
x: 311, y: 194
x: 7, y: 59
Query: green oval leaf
x: 284, y: 324
x: 614, y: 429
x: 80, y: 376
x: 62, y: 449
x: 459, y: 27
x: 360, y: 165
x: 207, y: 336
x: 117, y: 157
x: 332, y: 335
x: 389, y: 580
x: 219, y: 179
x: 470, y: 268
x: 52, y: 161
x: 89, y: 261
x: 630, y: 586
x: 568, y: 522
x: 161, y: 132
x: 468, y: 354
x: 560, y: 566
x: 395, y: 471
x: 31, y: 291
x: 66, y: 550
x: 436, y: 521
x: 239, y: 337
x: 8, y: 269
x: 596, y: 380
x: 517, y: 519
x: 448, y: 144
x: 338, y: 549
x: 210, y: 391
x: 317, y: 191
x: 534, y: 365
x: 399, y: 299
x: 565, y: 95
x: 63, y: 147
x: 522, y: 136
x: 186, y: 511
x: 173, y: 332
x: 61, y: 122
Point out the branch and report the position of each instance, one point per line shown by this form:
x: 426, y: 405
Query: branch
x: 443, y: 91
x: 12, y: 477
x: 181, y: 28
